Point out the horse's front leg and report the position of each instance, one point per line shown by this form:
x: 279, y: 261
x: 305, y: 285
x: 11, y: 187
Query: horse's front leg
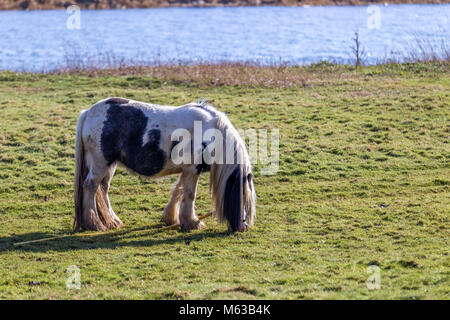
x: 188, y: 218
x: 172, y: 209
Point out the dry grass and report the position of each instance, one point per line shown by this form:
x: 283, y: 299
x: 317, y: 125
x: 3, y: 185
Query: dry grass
x: 424, y: 50
x: 210, y: 74
x: 207, y: 74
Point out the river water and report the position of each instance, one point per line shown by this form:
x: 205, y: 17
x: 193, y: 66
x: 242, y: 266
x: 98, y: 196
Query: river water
x: 43, y: 40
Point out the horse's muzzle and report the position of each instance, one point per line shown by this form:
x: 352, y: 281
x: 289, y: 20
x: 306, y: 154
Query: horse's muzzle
x: 243, y: 226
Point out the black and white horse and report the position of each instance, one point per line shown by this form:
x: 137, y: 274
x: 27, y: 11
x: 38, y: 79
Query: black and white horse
x: 146, y: 139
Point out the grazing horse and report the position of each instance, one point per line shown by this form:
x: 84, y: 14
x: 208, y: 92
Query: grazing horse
x: 145, y: 138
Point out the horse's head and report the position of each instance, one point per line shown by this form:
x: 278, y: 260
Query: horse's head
x: 239, y: 199
x: 232, y: 187
x: 249, y: 201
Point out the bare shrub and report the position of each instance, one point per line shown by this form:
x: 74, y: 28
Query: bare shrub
x: 420, y: 49
x: 358, y: 51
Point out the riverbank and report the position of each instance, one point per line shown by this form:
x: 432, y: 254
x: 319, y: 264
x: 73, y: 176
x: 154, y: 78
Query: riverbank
x: 127, y: 4
x: 362, y: 184
x: 241, y: 74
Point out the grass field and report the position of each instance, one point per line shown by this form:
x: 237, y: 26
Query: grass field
x: 363, y: 180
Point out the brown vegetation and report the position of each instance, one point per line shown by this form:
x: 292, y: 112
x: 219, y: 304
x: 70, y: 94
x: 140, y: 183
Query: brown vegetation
x: 120, y: 4
x: 208, y: 74
x: 244, y: 74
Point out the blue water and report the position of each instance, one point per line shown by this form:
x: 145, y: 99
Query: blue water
x: 40, y: 40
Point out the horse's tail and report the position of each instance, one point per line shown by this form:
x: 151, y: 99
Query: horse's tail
x: 80, y: 172
x: 231, y: 184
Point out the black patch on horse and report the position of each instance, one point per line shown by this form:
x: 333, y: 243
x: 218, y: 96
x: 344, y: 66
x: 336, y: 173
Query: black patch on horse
x: 122, y: 140
x: 232, y: 201
x: 203, y: 167
x: 174, y: 143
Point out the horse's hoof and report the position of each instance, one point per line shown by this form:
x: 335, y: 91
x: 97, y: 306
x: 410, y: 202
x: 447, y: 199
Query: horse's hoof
x: 168, y: 221
x: 192, y: 225
x: 201, y: 225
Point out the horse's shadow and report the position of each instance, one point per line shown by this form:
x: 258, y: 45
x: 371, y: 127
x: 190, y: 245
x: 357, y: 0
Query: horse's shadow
x: 108, y: 240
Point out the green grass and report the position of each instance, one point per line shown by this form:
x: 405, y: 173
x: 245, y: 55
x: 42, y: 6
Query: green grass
x: 350, y: 141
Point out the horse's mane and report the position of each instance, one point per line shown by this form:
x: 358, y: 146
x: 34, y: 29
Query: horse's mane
x: 221, y: 173
x: 205, y: 104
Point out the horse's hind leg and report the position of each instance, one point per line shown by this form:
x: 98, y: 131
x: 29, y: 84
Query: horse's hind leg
x: 104, y: 188
x: 91, y: 219
x: 188, y: 218
x: 96, y: 213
